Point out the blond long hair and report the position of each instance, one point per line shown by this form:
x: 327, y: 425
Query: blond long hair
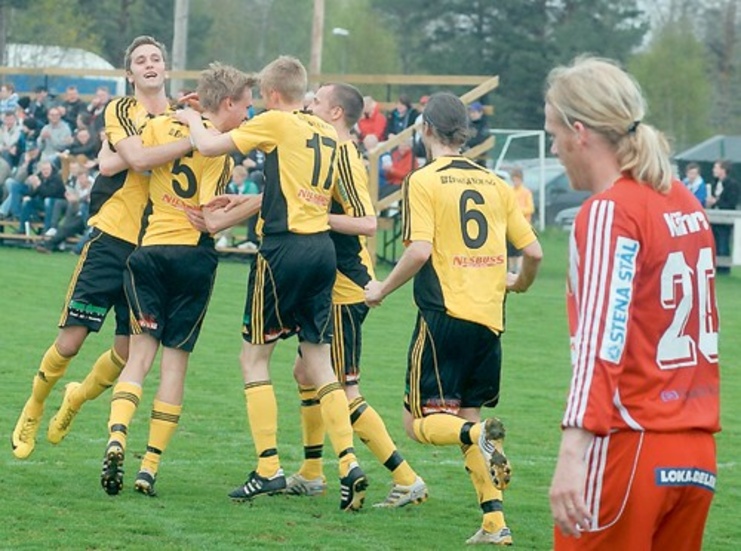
x: 606, y: 99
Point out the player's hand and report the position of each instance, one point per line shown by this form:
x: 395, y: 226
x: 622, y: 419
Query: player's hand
x: 191, y: 100
x: 569, y: 511
x: 196, y: 219
x: 187, y: 116
x: 374, y: 293
x: 227, y: 201
x: 512, y: 283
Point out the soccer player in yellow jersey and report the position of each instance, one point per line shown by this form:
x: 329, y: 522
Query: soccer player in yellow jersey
x: 290, y: 286
x: 458, y: 218
x: 169, y: 277
x: 351, y: 219
x: 116, y: 206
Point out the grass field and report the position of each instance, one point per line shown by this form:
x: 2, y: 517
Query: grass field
x: 53, y: 500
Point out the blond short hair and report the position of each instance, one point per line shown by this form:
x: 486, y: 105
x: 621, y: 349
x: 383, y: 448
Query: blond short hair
x: 287, y: 76
x: 220, y: 82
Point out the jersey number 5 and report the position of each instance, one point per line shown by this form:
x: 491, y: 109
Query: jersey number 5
x: 679, y: 283
x: 190, y: 178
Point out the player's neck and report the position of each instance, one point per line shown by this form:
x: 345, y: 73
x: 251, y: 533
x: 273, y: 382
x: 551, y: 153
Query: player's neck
x: 603, y: 174
x: 155, y: 102
x: 343, y: 133
x: 217, y: 121
x: 440, y: 150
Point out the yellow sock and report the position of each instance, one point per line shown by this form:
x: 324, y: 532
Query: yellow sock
x: 124, y: 402
x: 490, y: 499
x: 262, y: 414
x: 312, y: 429
x: 371, y: 430
x: 52, y: 368
x: 162, y: 426
x: 334, y: 413
x: 444, y: 429
x: 102, y: 376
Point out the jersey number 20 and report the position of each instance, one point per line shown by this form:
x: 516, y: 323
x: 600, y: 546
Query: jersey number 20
x: 676, y: 348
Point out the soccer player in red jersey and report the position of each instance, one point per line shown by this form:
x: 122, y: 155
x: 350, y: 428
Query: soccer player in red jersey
x: 637, y: 463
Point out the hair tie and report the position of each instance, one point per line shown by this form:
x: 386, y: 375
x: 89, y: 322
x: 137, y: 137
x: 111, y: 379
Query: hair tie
x: 633, y: 127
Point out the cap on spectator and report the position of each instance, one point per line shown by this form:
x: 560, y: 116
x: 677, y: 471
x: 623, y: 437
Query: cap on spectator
x: 424, y: 99
x: 476, y: 106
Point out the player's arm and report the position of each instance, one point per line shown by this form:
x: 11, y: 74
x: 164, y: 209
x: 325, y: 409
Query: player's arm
x: 218, y: 219
x: 532, y: 254
x: 207, y: 143
x: 353, y: 225
x: 415, y: 256
x: 139, y: 158
x: 110, y: 162
x: 566, y: 495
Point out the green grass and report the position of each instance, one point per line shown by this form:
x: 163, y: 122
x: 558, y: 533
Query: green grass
x: 53, y: 500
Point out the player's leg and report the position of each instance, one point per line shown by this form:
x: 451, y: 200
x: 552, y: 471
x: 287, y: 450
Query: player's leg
x: 166, y: 409
x: 347, y: 345
x: 53, y: 366
x: 125, y: 400
x: 310, y: 479
x: 334, y: 407
x: 98, y: 286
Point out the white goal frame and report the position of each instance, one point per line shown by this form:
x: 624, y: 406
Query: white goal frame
x: 513, y: 134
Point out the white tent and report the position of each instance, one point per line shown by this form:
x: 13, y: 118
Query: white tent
x: 37, y: 55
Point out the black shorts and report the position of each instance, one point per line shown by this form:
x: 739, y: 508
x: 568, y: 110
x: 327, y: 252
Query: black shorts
x: 452, y: 364
x: 168, y: 288
x: 347, y: 343
x: 97, y: 284
x: 290, y: 289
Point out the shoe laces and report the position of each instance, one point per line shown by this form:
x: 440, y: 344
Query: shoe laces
x: 28, y: 429
x: 69, y: 414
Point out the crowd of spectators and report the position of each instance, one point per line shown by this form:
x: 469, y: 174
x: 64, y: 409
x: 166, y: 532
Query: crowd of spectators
x: 48, y: 159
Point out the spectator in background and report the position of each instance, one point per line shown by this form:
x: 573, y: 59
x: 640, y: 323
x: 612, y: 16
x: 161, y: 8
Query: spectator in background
x: 370, y: 142
x: 8, y: 98
x: 73, y: 106
x: 402, y: 116
x: 41, y: 192
x: 77, y: 198
x: 54, y: 137
x: 96, y: 109
x: 724, y: 195
x: 419, y: 146
x: 695, y: 183
x: 10, y: 148
x: 39, y: 105
x: 15, y: 185
x: 373, y: 120
x: 524, y: 198
x: 479, y: 129
x: 402, y: 163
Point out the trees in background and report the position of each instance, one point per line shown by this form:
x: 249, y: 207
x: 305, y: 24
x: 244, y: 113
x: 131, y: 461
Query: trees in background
x: 684, y: 52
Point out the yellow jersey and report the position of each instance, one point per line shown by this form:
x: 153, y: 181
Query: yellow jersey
x: 468, y: 214
x: 300, y: 155
x: 190, y: 181
x: 117, y: 202
x: 352, y: 198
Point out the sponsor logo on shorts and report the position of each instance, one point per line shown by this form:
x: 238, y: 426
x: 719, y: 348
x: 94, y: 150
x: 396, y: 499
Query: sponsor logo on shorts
x: 481, y: 261
x: 85, y: 311
x: 685, y: 476
x: 618, y: 307
x: 148, y: 322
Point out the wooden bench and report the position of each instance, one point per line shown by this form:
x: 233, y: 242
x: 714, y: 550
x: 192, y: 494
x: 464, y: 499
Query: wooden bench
x: 729, y: 218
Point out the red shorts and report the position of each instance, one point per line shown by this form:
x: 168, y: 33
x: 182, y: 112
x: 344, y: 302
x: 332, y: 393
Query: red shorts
x: 647, y: 491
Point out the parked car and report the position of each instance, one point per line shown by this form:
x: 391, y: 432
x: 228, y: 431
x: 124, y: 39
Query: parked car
x: 565, y: 218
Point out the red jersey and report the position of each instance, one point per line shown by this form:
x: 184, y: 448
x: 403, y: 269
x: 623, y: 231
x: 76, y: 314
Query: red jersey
x: 642, y: 313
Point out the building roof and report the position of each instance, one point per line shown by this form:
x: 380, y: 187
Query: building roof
x: 712, y: 149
